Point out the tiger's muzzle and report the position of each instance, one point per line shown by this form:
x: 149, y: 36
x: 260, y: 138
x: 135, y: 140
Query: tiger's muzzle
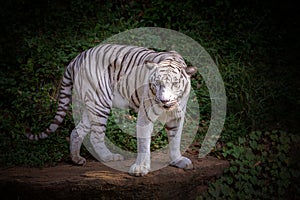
x: 167, y: 104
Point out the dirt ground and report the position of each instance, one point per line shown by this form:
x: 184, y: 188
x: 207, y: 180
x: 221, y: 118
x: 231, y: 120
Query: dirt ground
x: 97, y: 181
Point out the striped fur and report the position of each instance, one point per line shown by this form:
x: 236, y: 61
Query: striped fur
x: 156, y: 85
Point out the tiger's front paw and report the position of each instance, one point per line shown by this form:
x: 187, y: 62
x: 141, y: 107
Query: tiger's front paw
x: 182, y: 162
x: 139, y: 170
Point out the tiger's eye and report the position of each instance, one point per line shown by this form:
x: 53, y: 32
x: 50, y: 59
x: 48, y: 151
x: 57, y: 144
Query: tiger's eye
x: 176, y: 84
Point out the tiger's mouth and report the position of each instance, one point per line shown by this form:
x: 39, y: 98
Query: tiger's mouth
x: 168, y: 106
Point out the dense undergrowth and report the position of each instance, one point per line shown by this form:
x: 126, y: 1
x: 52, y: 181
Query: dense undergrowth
x: 250, y: 45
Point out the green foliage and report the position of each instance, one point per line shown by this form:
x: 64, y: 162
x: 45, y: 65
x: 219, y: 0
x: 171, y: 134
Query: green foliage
x: 261, y: 167
x: 125, y: 136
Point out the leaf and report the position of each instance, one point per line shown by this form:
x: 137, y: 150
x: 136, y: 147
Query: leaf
x: 233, y: 169
x: 241, y: 140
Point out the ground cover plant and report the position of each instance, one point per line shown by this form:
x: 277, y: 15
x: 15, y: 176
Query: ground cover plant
x: 253, y: 46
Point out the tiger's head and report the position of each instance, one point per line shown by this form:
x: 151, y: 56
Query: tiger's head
x: 169, y: 81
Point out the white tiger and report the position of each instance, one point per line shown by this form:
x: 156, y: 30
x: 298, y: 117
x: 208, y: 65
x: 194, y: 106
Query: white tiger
x: 150, y: 83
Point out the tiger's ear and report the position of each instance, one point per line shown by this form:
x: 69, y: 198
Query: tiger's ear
x: 190, y: 70
x: 150, y: 64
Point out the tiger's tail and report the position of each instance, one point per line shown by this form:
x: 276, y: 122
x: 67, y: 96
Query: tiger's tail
x: 65, y: 98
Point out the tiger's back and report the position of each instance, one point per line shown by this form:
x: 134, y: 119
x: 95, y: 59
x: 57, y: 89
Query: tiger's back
x: 119, y: 68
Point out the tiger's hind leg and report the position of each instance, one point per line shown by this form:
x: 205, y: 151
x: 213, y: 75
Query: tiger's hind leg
x: 75, y: 144
x: 97, y: 137
x: 76, y: 139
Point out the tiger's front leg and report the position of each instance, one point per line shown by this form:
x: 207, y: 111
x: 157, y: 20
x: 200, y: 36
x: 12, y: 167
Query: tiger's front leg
x: 142, y: 164
x: 174, y: 131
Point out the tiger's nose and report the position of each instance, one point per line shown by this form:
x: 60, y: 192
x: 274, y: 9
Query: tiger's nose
x: 164, y: 101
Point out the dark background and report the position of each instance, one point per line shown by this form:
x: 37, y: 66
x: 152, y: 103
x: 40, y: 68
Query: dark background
x: 254, y: 43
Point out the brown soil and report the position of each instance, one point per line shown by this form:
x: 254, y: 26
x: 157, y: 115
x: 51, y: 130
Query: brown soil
x: 97, y: 181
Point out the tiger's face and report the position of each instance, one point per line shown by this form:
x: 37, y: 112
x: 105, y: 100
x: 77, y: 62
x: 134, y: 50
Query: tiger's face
x: 168, y: 83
